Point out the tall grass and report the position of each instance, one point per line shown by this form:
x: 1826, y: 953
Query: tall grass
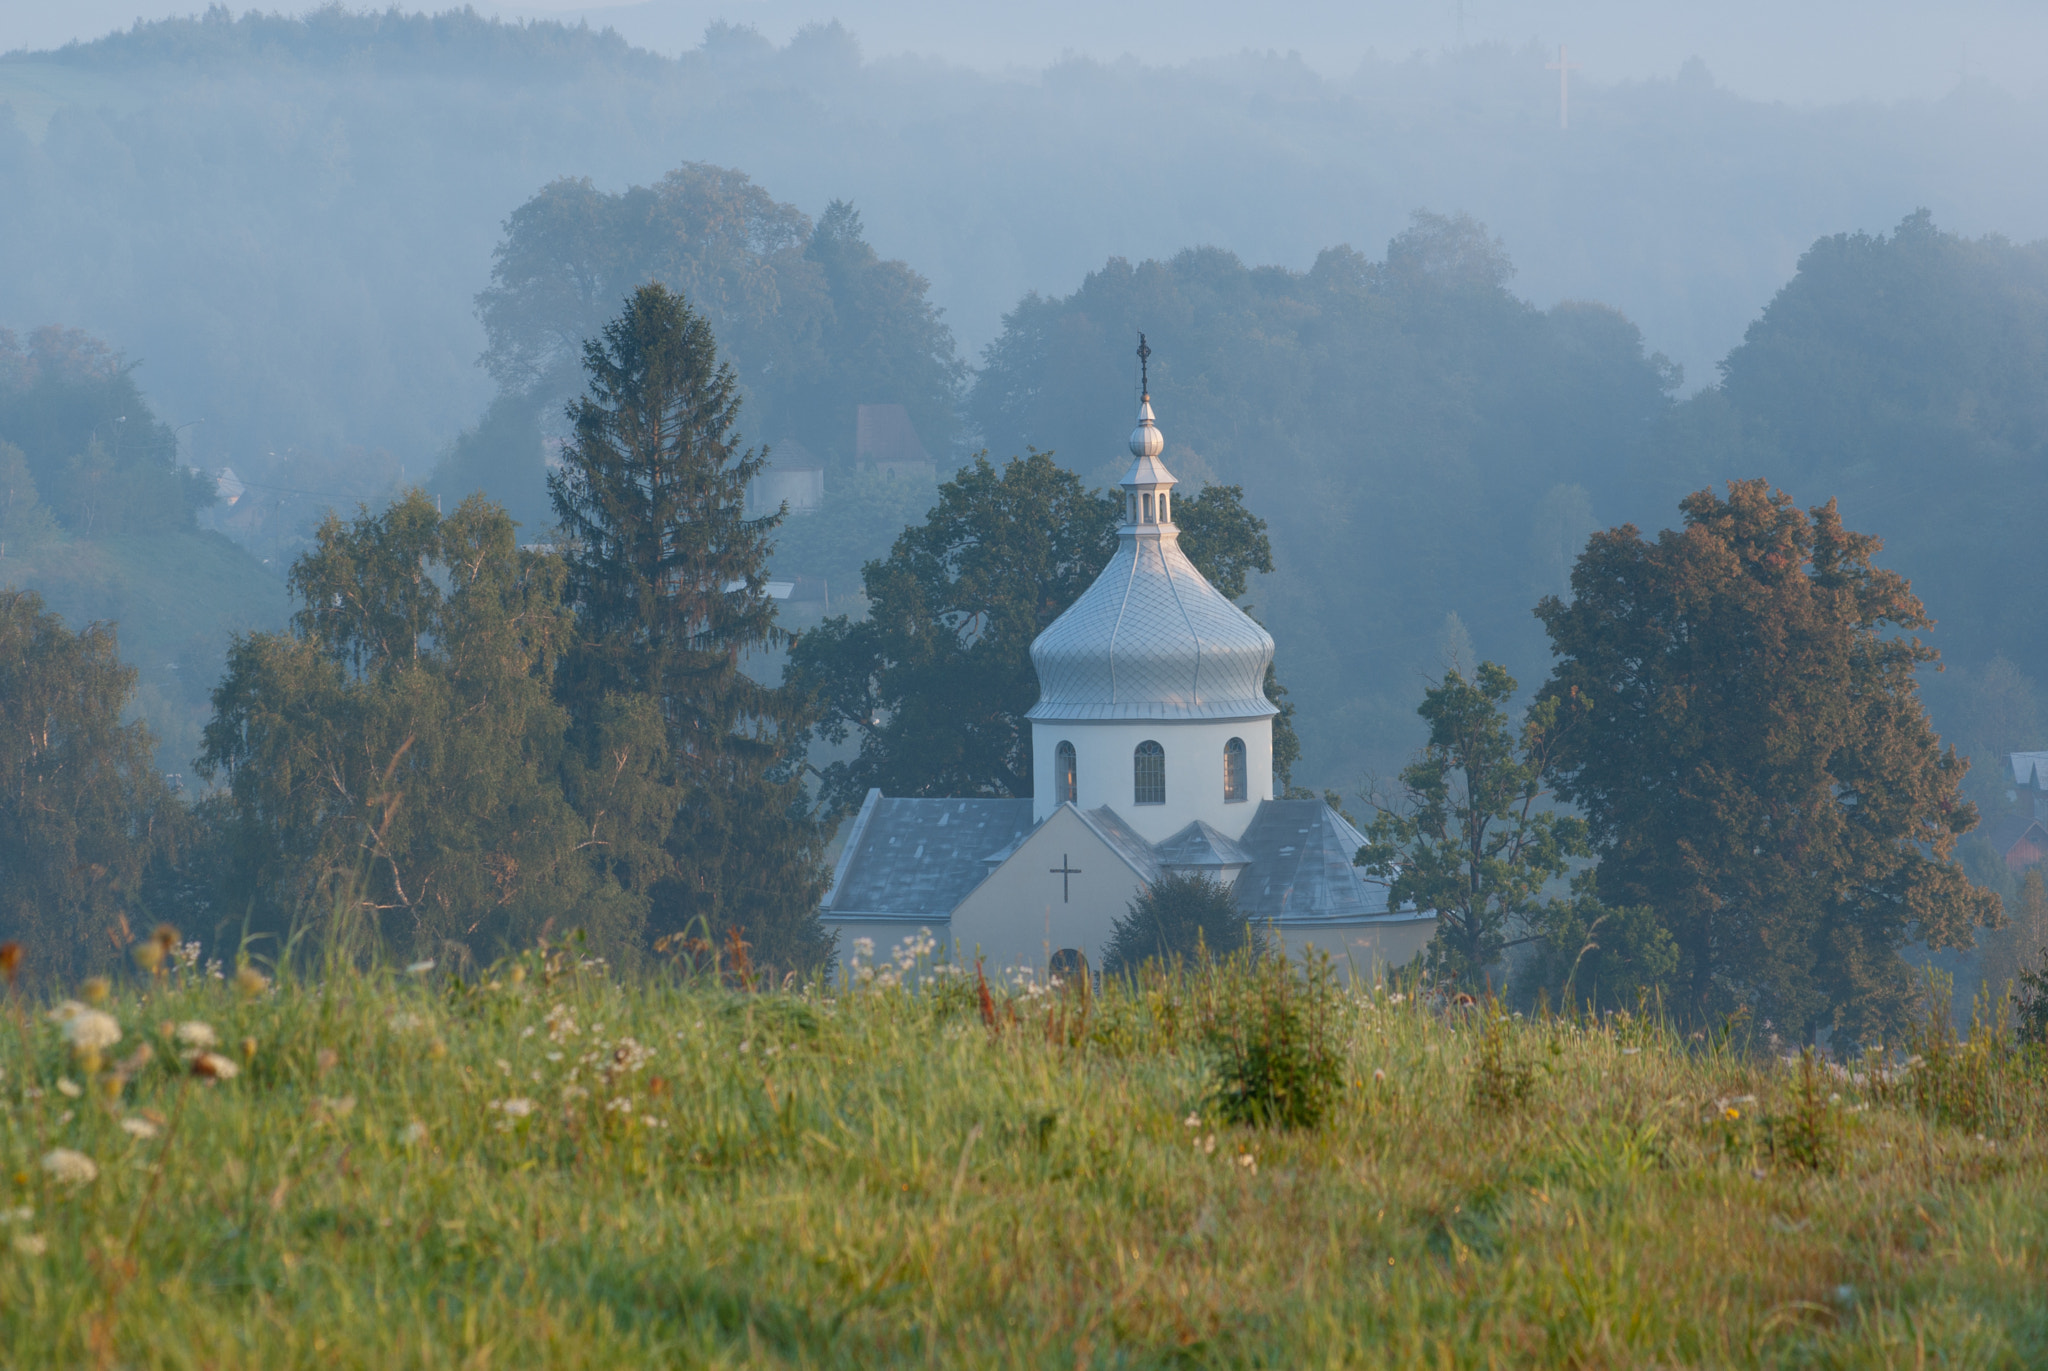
x: 556, y: 1168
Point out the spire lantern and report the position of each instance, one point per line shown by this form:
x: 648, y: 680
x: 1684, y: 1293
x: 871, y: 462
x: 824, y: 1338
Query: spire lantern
x: 1146, y: 503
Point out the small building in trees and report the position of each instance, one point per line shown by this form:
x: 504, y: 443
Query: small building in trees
x: 1152, y: 746
x: 792, y: 478
x: 886, y: 440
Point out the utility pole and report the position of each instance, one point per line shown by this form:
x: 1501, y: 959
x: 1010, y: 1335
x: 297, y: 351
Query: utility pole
x: 1564, y: 69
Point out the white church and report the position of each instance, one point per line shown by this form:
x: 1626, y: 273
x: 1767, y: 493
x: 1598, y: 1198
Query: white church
x: 1152, y: 749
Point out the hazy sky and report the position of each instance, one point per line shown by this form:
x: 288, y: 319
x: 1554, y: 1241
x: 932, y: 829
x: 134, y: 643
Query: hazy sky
x: 1800, y: 50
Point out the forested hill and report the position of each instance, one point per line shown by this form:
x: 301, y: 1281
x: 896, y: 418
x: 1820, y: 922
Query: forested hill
x: 289, y: 220
x: 1431, y: 450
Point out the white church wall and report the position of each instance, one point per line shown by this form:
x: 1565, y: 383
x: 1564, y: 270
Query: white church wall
x: 1063, y: 887
x: 1104, y: 774
x: 1363, y: 952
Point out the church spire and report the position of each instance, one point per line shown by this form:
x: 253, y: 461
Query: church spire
x: 1148, y: 481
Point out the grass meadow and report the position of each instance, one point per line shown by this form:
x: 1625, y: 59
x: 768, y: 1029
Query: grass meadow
x: 556, y: 1167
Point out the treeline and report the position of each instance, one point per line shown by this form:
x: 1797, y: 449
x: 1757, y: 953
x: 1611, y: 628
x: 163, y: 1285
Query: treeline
x: 459, y: 745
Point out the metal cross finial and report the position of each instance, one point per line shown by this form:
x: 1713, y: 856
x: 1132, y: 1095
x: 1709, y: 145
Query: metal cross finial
x: 1144, y: 363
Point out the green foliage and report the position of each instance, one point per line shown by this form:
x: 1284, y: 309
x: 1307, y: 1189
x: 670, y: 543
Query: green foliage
x: 865, y: 511
x: 86, y: 445
x: 668, y: 579
x: 1183, y: 917
x: 1501, y: 1080
x: 1588, y: 955
x: 24, y: 519
x: 1271, y: 1032
x: 1986, y: 1082
x: 1755, y: 763
x: 813, y: 320
x: 2009, y: 953
x: 83, y: 812
x: 394, y: 760
x: 1474, y: 840
x: 936, y: 681
x: 1808, y: 1134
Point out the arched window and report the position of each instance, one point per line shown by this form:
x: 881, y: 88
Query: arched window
x: 1233, y: 770
x: 1148, y: 766
x: 1064, y: 776
x: 1148, y: 506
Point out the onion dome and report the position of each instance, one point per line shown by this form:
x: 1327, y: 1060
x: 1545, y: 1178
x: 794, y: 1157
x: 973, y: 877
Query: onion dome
x: 1146, y: 439
x: 1151, y: 638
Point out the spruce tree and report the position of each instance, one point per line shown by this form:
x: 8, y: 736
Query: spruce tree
x: 669, y: 582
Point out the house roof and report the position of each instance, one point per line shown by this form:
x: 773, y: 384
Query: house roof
x: 920, y: 858
x: 2005, y: 831
x: 2029, y: 769
x: 1301, y: 868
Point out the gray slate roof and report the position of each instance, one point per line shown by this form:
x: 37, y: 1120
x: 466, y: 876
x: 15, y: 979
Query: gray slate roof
x: 1201, y: 846
x: 1123, y: 840
x: 1301, y: 867
x: 920, y: 858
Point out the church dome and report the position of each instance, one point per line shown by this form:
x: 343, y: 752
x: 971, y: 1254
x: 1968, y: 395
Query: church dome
x: 1151, y: 639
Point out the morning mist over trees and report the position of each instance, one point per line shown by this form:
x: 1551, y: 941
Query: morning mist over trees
x: 787, y: 684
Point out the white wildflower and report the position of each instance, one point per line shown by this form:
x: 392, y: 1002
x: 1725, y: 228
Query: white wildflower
x: 69, y: 1088
x: 413, y: 1134
x: 618, y: 1105
x: 628, y: 1056
x: 21, y: 1215
x: 514, y: 1109
x: 405, y: 1021
x: 561, y: 1024
x: 85, y: 1028
x: 72, y: 1168
x: 1248, y: 1162
x: 863, y: 947
x: 196, y: 1034
x: 504, y: 1067
x: 420, y: 968
x: 31, y: 1244
x: 136, y: 1127
x: 1192, y: 1121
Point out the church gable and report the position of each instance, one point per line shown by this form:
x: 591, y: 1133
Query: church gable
x: 1063, y: 888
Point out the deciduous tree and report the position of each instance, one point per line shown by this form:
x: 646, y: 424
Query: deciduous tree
x: 1755, y: 763
x: 82, y: 809
x: 398, y: 752
x: 936, y: 681
x: 1472, y: 837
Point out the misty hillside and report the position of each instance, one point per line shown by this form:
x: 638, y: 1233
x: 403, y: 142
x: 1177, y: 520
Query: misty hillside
x: 351, y: 252
x: 288, y: 221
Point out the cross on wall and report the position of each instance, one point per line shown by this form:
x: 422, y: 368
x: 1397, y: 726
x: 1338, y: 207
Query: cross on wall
x: 1066, y: 871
